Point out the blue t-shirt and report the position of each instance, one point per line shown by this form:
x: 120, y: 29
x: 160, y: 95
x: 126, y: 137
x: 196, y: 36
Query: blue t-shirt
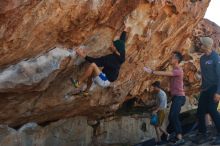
x: 210, y: 71
x: 162, y: 99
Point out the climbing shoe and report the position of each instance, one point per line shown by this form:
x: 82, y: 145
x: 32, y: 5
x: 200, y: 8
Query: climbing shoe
x: 172, y: 139
x: 179, y: 142
x: 75, y: 83
x: 81, y: 93
x: 84, y: 93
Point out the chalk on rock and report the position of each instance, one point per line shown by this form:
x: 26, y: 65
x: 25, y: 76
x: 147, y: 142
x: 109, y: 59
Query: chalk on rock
x: 31, y: 126
x: 33, y: 70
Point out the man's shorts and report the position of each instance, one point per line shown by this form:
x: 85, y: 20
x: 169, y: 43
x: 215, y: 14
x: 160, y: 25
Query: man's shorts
x: 161, y: 117
x: 101, y: 80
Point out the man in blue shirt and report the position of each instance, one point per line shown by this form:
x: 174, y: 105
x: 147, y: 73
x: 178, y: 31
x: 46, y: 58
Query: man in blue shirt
x: 210, y: 90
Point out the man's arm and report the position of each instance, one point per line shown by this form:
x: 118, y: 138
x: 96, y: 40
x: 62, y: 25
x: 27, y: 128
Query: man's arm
x: 155, y: 110
x: 217, y: 95
x: 218, y: 73
x: 163, y: 73
x: 160, y: 73
x: 98, y: 61
x: 123, y: 36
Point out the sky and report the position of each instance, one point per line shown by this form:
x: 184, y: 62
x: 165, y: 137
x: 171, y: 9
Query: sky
x: 213, y: 11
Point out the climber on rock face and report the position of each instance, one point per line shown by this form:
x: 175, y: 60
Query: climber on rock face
x: 210, y: 91
x: 178, y: 96
x: 111, y: 65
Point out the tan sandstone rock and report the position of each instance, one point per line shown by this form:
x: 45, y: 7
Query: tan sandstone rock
x: 36, y: 66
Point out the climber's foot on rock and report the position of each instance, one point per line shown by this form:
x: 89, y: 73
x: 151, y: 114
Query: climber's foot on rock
x: 78, y: 92
x: 84, y: 93
x: 75, y: 83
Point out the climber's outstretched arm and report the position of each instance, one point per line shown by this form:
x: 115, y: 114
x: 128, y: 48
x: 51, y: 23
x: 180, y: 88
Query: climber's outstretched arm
x: 160, y: 73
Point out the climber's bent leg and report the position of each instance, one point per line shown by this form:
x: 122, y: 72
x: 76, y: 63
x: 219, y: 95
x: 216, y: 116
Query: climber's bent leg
x: 93, y: 70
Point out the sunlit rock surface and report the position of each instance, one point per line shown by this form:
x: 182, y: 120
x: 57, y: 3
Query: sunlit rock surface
x: 28, y: 73
x: 38, y: 40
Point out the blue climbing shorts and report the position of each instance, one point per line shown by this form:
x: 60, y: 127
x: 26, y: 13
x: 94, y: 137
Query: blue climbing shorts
x: 101, y: 80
